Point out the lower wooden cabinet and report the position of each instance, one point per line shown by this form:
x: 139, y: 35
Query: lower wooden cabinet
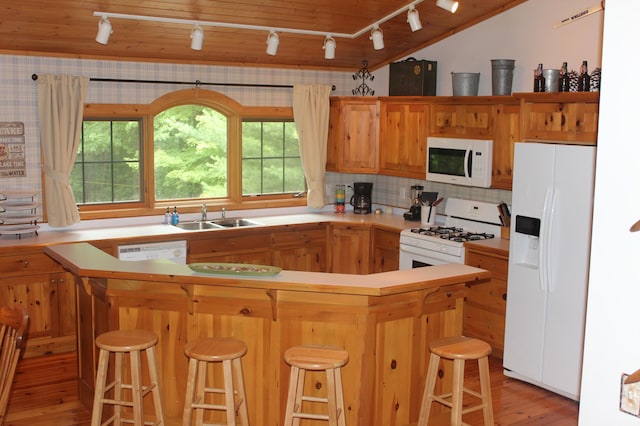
x: 34, y: 280
x: 486, y: 303
x: 350, y: 248
x: 300, y: 248
x: 386, y: 250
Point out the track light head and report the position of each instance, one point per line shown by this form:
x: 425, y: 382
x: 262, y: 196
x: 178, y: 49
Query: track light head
x: 448, y: 5
x: 197, y: 37
x: 377, y: 38
x: 104, y: 31
x: 272, y: 43
x: 413, y: 18
x: 329, y: 47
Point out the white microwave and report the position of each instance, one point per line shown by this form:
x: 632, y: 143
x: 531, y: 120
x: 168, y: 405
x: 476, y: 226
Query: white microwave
x: 459, y: 161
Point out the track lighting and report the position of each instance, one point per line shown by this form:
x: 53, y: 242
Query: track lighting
x: 104, y: 31
x: 413, y: 18
x: 329, y: 47
x: 448, y: 5
x: 272, y: 43
x: 197, y: 37
x: 377, y: 38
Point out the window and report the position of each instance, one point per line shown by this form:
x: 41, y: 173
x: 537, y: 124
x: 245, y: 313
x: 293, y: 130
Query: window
x: 271, y: 158
x: 186, y: 148
x: 108, y: 165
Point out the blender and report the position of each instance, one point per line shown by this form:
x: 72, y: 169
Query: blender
x: 416, y: 206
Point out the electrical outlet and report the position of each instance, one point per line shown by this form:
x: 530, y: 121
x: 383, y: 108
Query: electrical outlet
x: 629, y: 397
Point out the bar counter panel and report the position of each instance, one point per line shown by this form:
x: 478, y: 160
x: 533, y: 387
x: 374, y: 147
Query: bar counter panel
x: 385, y: 321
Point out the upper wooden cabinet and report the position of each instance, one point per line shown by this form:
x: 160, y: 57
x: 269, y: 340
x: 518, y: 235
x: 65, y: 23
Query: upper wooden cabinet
x: 506, y: 132
x: 352, y: 146
x: 404, y: 126
x: 566, y: 117
x: 460, y: 119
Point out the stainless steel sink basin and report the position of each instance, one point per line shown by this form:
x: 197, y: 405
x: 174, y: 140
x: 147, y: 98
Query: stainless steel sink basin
x: 235, y: 222
x: 197, y: 226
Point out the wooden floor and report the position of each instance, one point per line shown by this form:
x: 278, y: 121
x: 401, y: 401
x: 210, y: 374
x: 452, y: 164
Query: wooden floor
x: 50, y: 398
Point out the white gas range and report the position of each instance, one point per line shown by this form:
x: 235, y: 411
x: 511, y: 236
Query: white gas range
x: 465, y: 220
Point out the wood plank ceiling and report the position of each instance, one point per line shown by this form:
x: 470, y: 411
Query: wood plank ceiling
x: 68, y: 28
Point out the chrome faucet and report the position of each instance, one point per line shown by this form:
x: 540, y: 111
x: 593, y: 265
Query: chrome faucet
x: 204, y: 212
x: 224, y: 212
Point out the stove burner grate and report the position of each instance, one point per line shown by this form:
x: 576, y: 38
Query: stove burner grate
x: 452, y: 233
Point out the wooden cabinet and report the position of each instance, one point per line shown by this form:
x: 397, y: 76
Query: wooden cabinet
x: 461, y: 120
x: 506, y: 132
x: 486, y: 303
x: 352, y: 144
x: 300, y: 248
x: 253, y: 246
x: 350, y: 248
x: 33, y: 279
x: 566, y: 117
x: 404, y: 126
x: 386, y: 250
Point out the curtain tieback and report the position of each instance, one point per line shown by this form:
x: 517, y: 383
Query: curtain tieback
x: 61, y: 178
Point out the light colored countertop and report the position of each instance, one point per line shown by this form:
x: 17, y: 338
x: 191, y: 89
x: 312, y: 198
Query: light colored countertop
x: 84, y: 260
x: 82, y: 234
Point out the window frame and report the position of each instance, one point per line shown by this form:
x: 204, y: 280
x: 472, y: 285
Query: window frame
x: 235, y: 114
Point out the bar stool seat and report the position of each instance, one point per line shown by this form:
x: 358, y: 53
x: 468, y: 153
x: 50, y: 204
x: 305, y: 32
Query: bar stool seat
x: 225, y: 350
x: 315, y: 358
x: 121, y: 343
x: 458, y: 349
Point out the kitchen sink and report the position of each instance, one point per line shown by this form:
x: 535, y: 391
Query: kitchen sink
x: 197, y: 226
x: 235, y: 222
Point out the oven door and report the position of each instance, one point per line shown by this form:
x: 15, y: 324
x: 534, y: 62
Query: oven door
x: 416, y: 257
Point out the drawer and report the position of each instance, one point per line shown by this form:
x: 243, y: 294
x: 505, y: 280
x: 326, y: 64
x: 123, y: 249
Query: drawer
x: 224, y: 244
x: 498, y: 266
x: 297, y: 236
x: 28, y: 263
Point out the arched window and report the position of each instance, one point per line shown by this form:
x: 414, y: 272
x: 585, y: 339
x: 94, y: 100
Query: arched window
x: 186, y: 148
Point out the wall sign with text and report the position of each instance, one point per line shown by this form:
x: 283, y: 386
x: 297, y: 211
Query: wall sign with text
x: 12, y: 158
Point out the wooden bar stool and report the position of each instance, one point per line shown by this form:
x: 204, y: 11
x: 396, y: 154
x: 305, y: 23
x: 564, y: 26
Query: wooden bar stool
x: 120, y: 343
x: 315, y: 358
x: 458, y: 350
x: 225, y: 350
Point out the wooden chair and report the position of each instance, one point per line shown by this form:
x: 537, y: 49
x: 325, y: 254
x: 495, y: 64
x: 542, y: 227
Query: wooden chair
x: 13, y: 327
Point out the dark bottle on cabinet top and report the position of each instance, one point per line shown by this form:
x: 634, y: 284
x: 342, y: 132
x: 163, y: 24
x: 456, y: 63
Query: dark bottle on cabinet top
x: 538, y: 80
x: 564, y: 81
x: 584, y: 81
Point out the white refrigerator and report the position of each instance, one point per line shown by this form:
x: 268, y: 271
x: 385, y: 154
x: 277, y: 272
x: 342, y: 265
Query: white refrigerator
x: 549, y: 248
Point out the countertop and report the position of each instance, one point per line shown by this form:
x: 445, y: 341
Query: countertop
x: 84, y: 260
x: 96, y: 233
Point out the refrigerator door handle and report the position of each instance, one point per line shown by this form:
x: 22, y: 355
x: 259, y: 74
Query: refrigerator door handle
x: 543, y: 249
x: 547, y: 245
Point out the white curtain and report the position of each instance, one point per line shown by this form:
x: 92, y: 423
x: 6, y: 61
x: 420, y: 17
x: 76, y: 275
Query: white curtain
x: 311, y: 114
x: 60, y: 105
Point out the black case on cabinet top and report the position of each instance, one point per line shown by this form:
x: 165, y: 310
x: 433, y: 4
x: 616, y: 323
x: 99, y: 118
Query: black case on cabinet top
x: 413, y: 78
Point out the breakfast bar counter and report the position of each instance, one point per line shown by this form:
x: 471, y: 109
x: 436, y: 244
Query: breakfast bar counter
x: 385, y: 321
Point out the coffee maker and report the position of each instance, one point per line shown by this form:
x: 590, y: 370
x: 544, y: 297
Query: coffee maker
x: 361, y: 199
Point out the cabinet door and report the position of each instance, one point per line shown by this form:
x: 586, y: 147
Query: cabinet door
x: 350, y: 248
x: 486, y: 303
x: 573, y: 122
x: 386, y: 250
x: 300, y: 248
x: 353, y: 136
x: 468, y: 121
x: 310, y: 259
x: 506, y: 134
x: 403, y: 138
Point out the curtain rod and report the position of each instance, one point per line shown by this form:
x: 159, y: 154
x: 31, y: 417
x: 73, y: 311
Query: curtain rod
x: 196, y: 83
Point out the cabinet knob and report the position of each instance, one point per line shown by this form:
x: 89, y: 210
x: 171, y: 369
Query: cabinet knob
x: 25, y: 263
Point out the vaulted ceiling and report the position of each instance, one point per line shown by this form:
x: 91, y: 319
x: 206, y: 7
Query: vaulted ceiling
x: 68, y: 28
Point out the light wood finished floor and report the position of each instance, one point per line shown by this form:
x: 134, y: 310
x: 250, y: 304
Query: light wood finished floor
x: 51, y: 398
